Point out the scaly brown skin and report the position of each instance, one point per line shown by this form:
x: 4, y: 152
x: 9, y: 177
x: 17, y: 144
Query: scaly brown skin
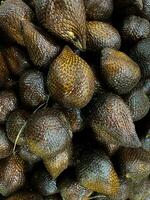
x: 134, y: 164
x: 14, y: 124
x: 119, y: 71
x: 8, y: 103
x: 70, y: 188
x: 25, y: 196
x: 101, y: 35
x: 11, y: 15
x: 95, y: 172
x: 135, y: 28
x: 6, y: 146
x: 16, y: 60
x: 98, y: 9
x: 32, y: 88
x: 47, y: 133
x: 111, y: 121
x: 70, y: 80
x: 138, y: 103
x: 43, y: 183
x: 12, y: 174
x: 41, y: 50
x: 65, y: 18
x: 57, y: 164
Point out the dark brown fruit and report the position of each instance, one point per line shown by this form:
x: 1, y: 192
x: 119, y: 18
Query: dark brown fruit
x: 140, y: 191
x: 134, y: 164
x: 53, y: 197
x: 27, y: 155
x: 70, y: 188
x: 25, y: 196
x: 8, y: 103
x: 146, y: 142
x: 101, y: 35
x: 6, y: 146
x: 123, y: 193
x: 138, y: 103
x: 47, y: 133
x: 119, y: 71
x: 146, y: 9
x: 41, y: 49
x: 4, y: 72
x: 57, y: 164
x: 15, y: 124
x: 69, y: 25
x: 43, y: 183
x: 146, y: 86
x: 16, y: 60
x: 135, y: 28
x: 70, y: 80
x: 141, y: 54
x: 12, y: 176
x: 98, y: 9
x: 111, y: 121
x: 95, y: 172
x: 32, y: 89
x: 11, y: 15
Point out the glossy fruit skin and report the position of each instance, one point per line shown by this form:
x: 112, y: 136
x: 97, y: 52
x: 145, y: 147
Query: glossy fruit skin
x: 11, y: 15
x: 70, y: 80
x: 16, y: 60
x: 43, y: 183
x: 119, y: 71
x: 42, y: 50
x: 8, y: 102
x: 138, y: 103
x: 140, y: 54
x: 134, y: 164
x: 25, y: 195
x: 32, y: 89
x: 111, y: 121
x: 11, y: 168
x: 6, y: 146
x: 69, y: 25
x: 101, y: 35
x: 55, y: 165
x: 98, y: 9
x: 14, y: 124
x: 95, y: 172
x: 70, y: 188
x: 47, y: 133
x: 135, y: 28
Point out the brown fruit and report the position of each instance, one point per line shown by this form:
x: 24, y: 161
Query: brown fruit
x: 135, y: 28
x: 53, y: 197
x: 12, y: 176
x: 146, y: 86
x: 138, y: 103
x: 111, y: 121
x: 43, y: 183
x: 123, y: 193
x: 4, y: 72
x: 146, y: 142
x: 8, y: 103
x: 25, y: 196
x: 57, y: 164
x: 11, y: 15
x: 41, y: 50
x: 47, y: 133
x: 146, y: 9
x: 70, y: 188
x: 141, y: 54
x: 16, y: 60
x: 32, y: 89
x: 14, y: 125
x: 70, y: 80
x: 134, y: 164
x: 27, y: 155
x: 119, y: 71
x: 101, y: 35
x: 6, y: 146
x: 98, y: 9
x: 95, y: 172
x: 69, y: 25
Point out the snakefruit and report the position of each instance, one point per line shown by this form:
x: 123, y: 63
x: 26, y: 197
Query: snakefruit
x: 25, y: 196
